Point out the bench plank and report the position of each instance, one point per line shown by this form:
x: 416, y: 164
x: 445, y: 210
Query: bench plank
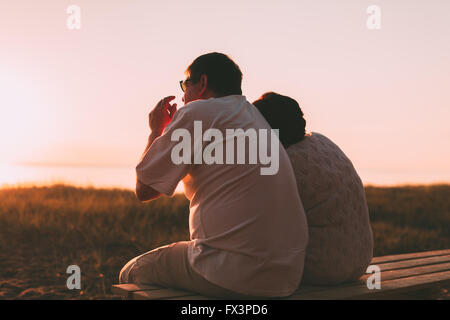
x: 385, y: 275
x: 127, y: 289
x: 361, y: 291
x: 193, y: 297
x: 403, y: 273
x: 414, y: 263
x: 131, y: 287
x: 407, y: 256
x: 160, y: 294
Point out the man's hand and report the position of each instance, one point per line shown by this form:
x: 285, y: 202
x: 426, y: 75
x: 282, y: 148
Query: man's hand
x: 161, y: 115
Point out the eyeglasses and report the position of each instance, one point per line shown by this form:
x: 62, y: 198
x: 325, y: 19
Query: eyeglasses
x: 183, y: 83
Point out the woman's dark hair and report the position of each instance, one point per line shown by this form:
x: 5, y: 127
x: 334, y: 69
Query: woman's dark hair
x: 283, y: 113
x: 224, y: 76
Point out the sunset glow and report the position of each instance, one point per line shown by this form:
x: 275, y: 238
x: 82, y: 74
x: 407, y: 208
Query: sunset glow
x: 81, y: 97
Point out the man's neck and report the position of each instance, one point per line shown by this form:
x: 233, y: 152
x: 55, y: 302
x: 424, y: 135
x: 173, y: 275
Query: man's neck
x: 209, y: 94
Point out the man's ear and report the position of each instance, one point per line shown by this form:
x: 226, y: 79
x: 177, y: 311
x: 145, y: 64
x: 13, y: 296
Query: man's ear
x: 203, y: 84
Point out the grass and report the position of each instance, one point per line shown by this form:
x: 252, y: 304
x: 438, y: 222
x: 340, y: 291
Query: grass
x: 43, y: 230
x: 409, y: 218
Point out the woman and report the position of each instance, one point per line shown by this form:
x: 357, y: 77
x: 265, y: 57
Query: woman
x: 340, y: 236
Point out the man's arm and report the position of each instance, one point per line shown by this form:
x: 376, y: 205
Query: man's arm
x: 143, y: 192
x: 159, y: 118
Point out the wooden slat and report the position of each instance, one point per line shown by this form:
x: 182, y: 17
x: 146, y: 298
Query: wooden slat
x: 414, y: 283
x: 193, y: 297
x: 131, y: 287
x: 126, y: 290
x: 385, y: 275
x: 413, y: 263
x: 403, y: 273
x: 160, y: 294
x: 361, y: 291
x: 407, y: 256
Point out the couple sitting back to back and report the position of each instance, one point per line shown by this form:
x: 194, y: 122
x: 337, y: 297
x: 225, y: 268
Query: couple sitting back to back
x: 252, y: 235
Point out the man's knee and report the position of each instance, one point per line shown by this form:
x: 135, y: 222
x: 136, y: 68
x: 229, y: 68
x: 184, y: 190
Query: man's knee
x: 125, y: 273
x: 156, y: 266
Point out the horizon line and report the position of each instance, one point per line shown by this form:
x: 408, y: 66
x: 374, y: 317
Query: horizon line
x: 68, y: 164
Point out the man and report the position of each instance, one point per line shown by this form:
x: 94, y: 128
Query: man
x: 248, y: 229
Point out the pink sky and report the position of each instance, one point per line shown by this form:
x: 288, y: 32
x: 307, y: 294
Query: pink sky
x: 82, y: 96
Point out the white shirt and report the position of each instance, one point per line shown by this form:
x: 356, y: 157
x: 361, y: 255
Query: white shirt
x: 248, y: 231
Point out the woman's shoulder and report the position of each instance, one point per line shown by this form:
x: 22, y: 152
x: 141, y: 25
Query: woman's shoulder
x: 318, y: 147
x: 311, y: 140
x: 318, y: 136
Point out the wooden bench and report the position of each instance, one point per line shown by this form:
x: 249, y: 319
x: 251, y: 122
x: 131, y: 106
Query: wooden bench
x: 401, y: 275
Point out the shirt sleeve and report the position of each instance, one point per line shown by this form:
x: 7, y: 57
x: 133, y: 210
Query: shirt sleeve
x: 156, y: 168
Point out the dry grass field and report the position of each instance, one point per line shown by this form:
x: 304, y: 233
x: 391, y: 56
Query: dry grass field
x: 45, y: 229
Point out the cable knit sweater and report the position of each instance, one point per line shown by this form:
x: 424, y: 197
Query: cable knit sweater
x: 340, y: 237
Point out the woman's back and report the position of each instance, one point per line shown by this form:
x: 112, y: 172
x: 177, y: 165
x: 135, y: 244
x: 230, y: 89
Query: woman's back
x: 340, y: 236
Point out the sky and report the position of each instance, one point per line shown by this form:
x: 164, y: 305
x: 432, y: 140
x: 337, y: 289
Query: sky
x: 81, y: 97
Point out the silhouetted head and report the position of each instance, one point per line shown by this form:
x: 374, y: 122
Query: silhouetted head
x: 211, y: 75
x: 283, y: 113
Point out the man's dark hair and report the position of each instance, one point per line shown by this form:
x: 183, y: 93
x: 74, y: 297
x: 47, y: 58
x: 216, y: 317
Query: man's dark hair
x: 224, y: 76
x: 283, y: 113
